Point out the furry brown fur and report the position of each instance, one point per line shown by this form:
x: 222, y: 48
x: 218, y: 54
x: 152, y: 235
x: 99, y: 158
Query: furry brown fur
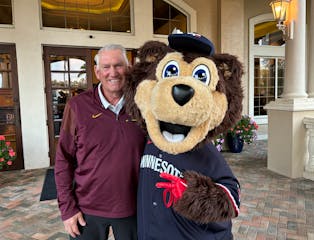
x: 203, y: 201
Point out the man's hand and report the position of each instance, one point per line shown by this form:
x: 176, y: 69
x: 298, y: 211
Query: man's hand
x: 71, y: 226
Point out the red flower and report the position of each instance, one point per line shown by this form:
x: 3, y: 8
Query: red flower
x: 7, y: 154
x: 11, y: 153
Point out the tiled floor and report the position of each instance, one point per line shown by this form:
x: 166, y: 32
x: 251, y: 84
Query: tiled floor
x: 273, y: 206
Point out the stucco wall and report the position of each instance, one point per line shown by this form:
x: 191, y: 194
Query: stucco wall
x: 207, y: 18
x: 227, y: 34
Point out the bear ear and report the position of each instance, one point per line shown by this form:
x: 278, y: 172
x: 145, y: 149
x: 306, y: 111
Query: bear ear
x: 230, y: 72
x: 152, y: 51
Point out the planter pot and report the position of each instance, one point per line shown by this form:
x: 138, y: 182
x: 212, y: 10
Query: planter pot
x: 235, y: 143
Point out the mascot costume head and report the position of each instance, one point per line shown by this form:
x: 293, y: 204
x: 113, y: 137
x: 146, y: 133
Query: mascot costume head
x: 183, y: 95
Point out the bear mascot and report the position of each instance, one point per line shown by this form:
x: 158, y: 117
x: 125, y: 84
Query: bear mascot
x: 183, y: 95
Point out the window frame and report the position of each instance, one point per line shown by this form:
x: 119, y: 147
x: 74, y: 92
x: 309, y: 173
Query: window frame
x: 181, y: 6
x: 13, y: 19
x: 256, y: 51
x: 170, y: 21
x: 131, y: 32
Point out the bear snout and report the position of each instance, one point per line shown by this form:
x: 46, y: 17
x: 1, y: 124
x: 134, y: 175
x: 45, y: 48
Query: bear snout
x: 182, y: 93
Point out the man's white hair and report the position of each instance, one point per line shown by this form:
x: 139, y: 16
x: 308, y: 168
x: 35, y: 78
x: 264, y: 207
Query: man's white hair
x: 109, y: 47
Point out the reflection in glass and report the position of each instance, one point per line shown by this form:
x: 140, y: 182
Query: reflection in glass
x: 59, y: 99
x: 8, y: 130
x: 88, y: 15
x: 7, y: 116
x: 268, y: 82
x: 58, y: 63
x: 281, y: 76
x: 77, y: 64
x: 167, y: 17
x: 267, y: 33
x: 5, y: 80
x: 59, y: 79
x: 68, y: 78
x: 78, y: 80
x: 6, y: 100
x: 5, y: 61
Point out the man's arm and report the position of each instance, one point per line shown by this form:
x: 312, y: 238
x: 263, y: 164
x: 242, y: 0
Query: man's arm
x: 64, y: 173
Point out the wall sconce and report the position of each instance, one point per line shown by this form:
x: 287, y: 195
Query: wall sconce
x: 280, y: 8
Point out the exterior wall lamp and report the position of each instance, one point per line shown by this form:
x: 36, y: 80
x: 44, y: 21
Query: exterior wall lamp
x: 280, y: 8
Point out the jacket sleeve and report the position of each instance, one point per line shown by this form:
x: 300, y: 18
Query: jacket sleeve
x: 65, y: 163
x: 206, y: 200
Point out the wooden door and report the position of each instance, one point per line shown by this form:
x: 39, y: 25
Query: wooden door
x: 68, y: 71
x: 10, y: 121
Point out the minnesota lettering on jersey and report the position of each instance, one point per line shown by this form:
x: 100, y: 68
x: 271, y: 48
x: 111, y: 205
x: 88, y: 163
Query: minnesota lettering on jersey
x: 159, y: 165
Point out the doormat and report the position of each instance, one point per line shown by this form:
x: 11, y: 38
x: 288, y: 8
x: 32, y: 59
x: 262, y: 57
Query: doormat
x: 49, y: 190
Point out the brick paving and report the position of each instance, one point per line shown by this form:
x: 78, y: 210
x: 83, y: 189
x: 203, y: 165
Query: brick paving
x: 273, y: 207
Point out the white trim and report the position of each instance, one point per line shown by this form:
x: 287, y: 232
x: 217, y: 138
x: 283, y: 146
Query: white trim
x: 234, y: 203
x: 259, y: 51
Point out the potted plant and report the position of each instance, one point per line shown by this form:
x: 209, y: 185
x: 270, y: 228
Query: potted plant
x: 245, y: 131
x: 7, y: 154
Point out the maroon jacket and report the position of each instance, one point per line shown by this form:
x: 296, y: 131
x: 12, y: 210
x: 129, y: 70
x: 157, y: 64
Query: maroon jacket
x: 100, y: 153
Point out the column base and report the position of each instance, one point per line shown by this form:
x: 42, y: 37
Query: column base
x: 287, y: 135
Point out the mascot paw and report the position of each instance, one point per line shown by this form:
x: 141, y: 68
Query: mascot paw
x: 204, y: 201
x: 175, y: 188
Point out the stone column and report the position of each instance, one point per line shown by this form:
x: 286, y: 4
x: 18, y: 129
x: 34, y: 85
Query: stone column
x: 286, y: 132
x: 311, y: 54
x: 295, y: 72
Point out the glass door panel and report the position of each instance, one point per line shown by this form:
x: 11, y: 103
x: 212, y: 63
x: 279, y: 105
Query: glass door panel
x: 268, y: 82
x: 67, y: 71
x: 9, y: 104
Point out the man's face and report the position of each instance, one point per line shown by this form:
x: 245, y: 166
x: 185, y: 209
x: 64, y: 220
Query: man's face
x: 111, y: 72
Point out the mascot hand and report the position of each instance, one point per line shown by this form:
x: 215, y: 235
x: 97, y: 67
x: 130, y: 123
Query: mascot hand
x: 175, y: 188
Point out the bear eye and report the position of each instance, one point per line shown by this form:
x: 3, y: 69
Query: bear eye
x: 171, y: 69
x: 201, y: 72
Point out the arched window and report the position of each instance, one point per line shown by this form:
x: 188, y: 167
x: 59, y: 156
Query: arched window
x: 111, y: 16
x: 266, y: 65
x: 166, y: 18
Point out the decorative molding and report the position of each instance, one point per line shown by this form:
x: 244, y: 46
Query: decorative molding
x: 294, y: 105
x: 309, y: 159
x: 309, y: 122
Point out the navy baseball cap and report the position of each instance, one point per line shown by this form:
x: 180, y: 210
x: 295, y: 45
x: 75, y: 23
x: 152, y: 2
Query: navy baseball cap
x: 191, y: 42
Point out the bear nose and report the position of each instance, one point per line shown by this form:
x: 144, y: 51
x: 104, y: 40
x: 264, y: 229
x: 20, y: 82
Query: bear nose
x: 182, y: 93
